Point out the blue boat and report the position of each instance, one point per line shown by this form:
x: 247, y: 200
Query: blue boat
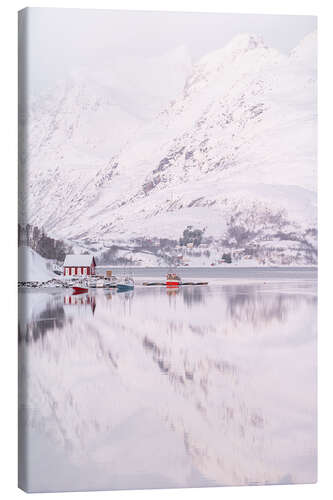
x: 125, y: 285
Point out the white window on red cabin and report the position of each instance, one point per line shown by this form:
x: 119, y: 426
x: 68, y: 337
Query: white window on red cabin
x: 73, y: 270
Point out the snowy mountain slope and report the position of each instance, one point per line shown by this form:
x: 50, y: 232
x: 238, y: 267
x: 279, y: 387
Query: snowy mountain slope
x: 96, y: 111
x: 72, y: 130
x: 77, y: 118
x: 240, y: 139
x: 33, y: 267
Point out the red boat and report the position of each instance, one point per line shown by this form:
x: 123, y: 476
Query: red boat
x: 79, y: 289
x: 172, y: 280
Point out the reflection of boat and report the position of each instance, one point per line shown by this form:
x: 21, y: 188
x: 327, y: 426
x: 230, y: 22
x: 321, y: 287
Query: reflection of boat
x: 173, y: 279
x: 79, y: 289
x: 125, y: 284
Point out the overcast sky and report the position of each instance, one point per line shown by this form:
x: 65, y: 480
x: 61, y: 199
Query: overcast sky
x: 61, y: 40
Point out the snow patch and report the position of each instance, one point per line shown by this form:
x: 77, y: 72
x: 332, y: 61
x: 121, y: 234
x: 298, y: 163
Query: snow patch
x: 32, y: 267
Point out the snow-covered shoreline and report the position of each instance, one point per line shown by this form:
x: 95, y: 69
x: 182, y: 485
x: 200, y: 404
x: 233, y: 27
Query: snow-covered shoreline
x: 35, y: 272
x: 217, y: 266
x: 214, y: 279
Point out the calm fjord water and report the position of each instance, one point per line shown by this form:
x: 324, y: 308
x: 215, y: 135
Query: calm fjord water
x: 212, y: 385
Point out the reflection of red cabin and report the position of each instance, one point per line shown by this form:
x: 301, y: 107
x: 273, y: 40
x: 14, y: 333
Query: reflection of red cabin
x: 79, y: 265
x: 84, y: 300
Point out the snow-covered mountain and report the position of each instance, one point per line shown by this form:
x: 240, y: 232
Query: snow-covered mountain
x: 92, y: 114
x: 233, y: 153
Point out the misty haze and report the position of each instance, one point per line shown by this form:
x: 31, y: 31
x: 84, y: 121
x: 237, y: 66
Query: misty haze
x: 167, y: 249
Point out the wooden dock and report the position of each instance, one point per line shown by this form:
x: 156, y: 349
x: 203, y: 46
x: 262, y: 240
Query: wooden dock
x: 186, y: 283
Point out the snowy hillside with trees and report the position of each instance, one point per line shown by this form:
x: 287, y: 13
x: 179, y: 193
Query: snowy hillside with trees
x: 227, y: 148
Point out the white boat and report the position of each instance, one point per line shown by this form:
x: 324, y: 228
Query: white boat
x: 92, y: 282
x: 100, y: 283
x: 110, y: 282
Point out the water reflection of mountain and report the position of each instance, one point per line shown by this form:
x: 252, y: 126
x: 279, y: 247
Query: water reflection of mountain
x: 223, y: 400
x: 250, y: 305
x: 193, y: 295
x: 53, y: 316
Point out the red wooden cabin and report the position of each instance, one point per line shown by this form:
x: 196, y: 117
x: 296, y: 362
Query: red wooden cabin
x: 79, y: 265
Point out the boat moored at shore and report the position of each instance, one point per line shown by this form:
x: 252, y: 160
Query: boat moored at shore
x: 126, y: 284
x: 80, y: 289
x: 173, y: 280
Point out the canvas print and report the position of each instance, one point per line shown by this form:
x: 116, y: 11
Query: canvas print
x: 167, y: 250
